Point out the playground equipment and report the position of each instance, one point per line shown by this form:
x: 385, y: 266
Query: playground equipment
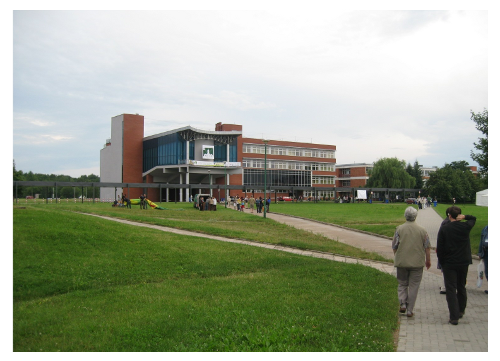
x: 136, y: 202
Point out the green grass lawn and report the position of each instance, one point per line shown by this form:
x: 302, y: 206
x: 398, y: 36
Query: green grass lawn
x: 88, y: 284
x: 379, y: 218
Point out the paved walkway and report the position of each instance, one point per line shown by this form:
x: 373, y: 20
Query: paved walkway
x: 429, y: 329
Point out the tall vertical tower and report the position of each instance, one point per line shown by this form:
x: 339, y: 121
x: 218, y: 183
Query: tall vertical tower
x: 121, y: 158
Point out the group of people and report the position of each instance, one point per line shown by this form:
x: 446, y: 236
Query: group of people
x: 411, y: 248
x: 424, y: 202
x: 207, y: 203
x: 251, y: 203
x: 123, y: 201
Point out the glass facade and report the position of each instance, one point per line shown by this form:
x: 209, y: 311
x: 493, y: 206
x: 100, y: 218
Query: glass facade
x: 276, y: 178
x: 166, y: 150
x: 171, y: 150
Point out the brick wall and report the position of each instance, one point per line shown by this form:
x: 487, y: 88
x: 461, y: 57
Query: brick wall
x: 133, y: 133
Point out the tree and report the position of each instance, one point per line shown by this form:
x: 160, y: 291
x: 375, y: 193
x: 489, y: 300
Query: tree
x: 481, y: 120
x: 454, y: 180
x: 390, y: 173
x: 62, y: 192
x: 416, y: 173
x: 17, y: 174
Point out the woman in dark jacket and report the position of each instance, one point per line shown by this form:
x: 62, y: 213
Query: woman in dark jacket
x: 454, y: 255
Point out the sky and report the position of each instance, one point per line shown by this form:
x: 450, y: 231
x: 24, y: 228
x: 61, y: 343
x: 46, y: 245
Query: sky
x: 374, y: 83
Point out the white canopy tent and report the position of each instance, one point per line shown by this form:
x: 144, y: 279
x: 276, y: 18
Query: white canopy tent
x: 482, y: 198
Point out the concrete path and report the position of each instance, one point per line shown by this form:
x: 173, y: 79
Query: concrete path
x: 429, y: 329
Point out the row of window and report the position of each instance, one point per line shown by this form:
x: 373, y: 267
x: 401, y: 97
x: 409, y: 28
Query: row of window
x: 276, y: 178
x: 323, y: 180
x: 290, y: 151
x: 280, y: 164
x: 319, y: 194
x: 306, y: 194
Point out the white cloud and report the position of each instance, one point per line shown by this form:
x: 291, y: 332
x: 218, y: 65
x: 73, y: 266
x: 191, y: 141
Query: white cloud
x: 353, y: 79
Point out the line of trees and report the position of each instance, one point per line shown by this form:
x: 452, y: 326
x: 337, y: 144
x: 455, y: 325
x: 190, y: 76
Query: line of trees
x: 454, y: 180
x: 62, y: 192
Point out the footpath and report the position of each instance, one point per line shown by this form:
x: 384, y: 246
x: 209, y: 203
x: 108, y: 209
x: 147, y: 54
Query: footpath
x: 428, y: 330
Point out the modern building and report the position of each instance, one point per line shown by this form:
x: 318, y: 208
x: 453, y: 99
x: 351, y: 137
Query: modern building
x: 196, y: 158
x: 352, y: 175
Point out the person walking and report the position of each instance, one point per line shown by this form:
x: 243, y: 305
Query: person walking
x: 258, y: 203
x: 483, y: 251
x: 411, y: 247
x: 442, y: 290
x: 251, y: 203
x: 454, y: 255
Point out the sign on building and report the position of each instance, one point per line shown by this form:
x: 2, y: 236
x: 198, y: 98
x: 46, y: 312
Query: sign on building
x: 208, y: 152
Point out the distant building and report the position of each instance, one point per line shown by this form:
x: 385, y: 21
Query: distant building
x: 192, y: 156
x: 198, y: 158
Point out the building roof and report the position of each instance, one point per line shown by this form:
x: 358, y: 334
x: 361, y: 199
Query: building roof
x: 189, y: 133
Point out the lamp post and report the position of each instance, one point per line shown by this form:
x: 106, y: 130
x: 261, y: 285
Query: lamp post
x: 225, y: 185
x: 265, y: 141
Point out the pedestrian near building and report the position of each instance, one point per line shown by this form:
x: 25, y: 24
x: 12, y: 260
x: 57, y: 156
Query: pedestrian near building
x: 454, y: 255
x: 411, y: 248
x: 258, y: 203
x: 251, y: 203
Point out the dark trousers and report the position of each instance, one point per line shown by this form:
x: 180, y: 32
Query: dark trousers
x: 455, y: 278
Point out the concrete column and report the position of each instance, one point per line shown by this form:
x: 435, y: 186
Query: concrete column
x: 180, y: 189
x: 187, y: 189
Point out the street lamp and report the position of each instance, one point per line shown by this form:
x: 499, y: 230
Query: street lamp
x: 225, y: 185
x: 265, y: 141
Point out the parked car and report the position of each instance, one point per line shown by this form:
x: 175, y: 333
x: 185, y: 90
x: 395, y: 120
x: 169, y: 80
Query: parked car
x: 411, y: 200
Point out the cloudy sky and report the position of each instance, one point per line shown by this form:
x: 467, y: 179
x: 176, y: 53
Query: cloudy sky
x: 374, y: 83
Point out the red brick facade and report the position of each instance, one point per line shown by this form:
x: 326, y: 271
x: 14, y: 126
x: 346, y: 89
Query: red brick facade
x: 133, y: 133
